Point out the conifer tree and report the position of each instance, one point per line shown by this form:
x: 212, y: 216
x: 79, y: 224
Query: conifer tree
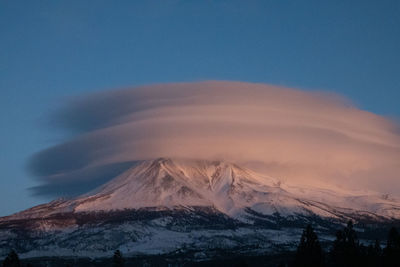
x: 346, y: 248
x: 377, y: 247
x: 118, y: 260
x: 12, y: 260
x: 372, y: 255
x: 391, y: 253
x: 309, y: 252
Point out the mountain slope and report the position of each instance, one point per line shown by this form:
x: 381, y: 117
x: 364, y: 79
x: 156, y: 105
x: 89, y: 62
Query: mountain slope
x: 231, y: 189
x: 189, y: 203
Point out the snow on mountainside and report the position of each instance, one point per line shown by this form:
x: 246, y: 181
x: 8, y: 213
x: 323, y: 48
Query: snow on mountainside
x: 227, y: 187
x: 160, y: 205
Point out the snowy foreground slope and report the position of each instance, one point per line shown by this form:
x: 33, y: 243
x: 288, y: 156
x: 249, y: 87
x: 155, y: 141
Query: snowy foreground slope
x: 165, y: 206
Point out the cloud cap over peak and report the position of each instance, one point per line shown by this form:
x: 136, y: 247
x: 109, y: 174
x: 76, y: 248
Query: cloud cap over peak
x: 301, y: 136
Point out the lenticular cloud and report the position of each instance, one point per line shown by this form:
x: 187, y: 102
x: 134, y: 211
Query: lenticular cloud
x: 311, y: 138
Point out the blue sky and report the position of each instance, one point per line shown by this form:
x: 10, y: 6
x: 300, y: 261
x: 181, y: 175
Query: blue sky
x: 52, y: 50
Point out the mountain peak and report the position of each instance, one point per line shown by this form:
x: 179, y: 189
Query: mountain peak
x: 154, y: 197
x: 169, y: 182
x: 166, y: 183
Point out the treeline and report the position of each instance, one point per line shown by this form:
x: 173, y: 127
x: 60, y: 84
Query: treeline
x: 12, y: 260
x: 346, y: 250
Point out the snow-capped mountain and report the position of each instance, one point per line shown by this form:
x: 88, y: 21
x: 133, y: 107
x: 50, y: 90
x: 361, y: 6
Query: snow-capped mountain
x: 162, y: 205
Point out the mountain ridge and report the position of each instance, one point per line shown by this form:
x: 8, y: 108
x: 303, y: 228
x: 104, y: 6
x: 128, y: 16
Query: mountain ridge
x: 228, y: 187
x: 169, y: 204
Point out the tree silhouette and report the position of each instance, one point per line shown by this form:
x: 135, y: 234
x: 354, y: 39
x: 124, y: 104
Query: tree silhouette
x: 377, y: 247
x: 371, y: 256
x: 391, y: 253
x: 12, y: 260
x: 242, y: 263
x: 309, y: 252
x: 346, y: 248
x: 118, y: 260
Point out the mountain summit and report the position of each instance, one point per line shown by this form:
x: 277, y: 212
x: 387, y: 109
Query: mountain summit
x: 227, y: 187
x: 171, y: 183
x: 186, y: 200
